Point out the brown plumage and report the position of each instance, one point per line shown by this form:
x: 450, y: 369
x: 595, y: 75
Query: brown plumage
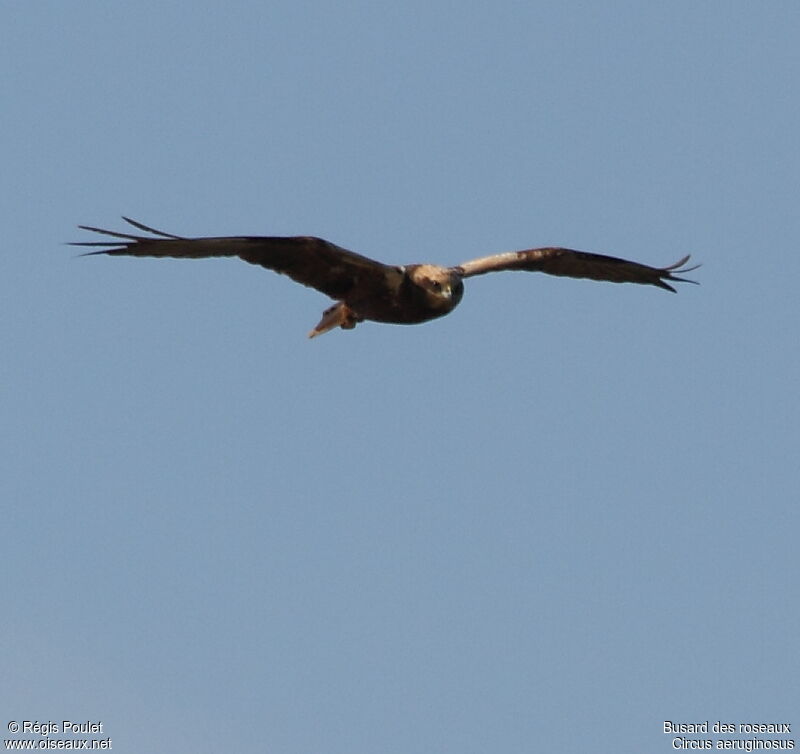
x: 368, y: 290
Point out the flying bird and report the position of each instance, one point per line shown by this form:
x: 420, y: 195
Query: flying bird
x: 368, y: 290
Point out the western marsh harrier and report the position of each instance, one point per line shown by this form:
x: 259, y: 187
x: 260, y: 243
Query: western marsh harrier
x: 368, y: 290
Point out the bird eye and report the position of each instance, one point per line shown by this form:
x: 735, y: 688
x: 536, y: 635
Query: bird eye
x: 437, y: 286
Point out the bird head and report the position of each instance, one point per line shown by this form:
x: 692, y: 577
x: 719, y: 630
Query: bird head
x: 443, y: 287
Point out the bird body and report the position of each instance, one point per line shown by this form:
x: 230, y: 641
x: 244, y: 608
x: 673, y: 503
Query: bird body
x: 365, y: 289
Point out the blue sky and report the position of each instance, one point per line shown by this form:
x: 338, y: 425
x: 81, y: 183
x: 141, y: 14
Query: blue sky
x: 548, y: 522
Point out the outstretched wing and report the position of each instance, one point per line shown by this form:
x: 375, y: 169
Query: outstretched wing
x: 314, y: 262
x: 578, y: 264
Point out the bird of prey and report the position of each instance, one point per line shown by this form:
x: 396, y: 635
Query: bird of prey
x: 368, y: 290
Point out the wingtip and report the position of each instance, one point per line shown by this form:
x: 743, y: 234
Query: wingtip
x: 669, y: 273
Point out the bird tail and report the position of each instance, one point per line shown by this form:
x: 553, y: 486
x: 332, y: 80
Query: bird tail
x: 338, y: 315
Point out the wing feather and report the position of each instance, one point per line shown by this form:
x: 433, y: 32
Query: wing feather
x: 312, y: 261
x: 578, y: 264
